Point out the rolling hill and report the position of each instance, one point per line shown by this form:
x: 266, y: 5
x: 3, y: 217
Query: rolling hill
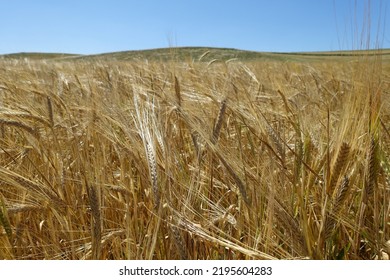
x: 204, y: 54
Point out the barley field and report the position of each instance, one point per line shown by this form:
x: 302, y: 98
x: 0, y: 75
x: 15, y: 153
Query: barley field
x: 195, y: 159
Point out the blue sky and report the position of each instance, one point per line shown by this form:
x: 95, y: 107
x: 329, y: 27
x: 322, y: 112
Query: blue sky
x: 88, y: 27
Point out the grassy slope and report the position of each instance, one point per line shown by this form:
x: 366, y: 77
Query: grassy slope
x: 206, y: 55
x: 37, y: 55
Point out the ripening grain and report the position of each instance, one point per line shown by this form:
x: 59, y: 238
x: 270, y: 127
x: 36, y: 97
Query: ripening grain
x: 194, y: 160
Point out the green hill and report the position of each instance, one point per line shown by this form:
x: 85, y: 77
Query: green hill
x: 37, y: 55
x: 204, y: 54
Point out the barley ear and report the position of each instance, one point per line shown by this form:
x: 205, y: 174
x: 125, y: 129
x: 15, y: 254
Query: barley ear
x: 341, y: 195
x: 179, y: 242
x: 371, y: 178
x: 237, y: 180
x: 329, y: 226
x: 194, y: 138
x: 4, y: 220
x: 218, y: 123
x: 338, y: 167
x: 203, y: 55
x: 20, y: 125
x: 177, y: 91
x: 153, y: 174
x: 277, y: 141
x: 336, y: 207
x: 370, y: 184
x: 50, y: 111
x: 96, y: 228
x: 292, y: 225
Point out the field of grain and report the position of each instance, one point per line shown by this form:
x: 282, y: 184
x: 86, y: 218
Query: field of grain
x: 194, y: 160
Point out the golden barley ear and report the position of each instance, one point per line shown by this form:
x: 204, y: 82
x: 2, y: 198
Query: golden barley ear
x: 50, y: 111
x: 336, y: 206
x: 177, y: 91
x: 371, y: 181
x: 290, y: 224
x: 329, y: 226
x: 194, y: 138
x: 4, y: 220
x: 276, y: 140
x: 20, y: 125
x: 42, y: 191
x: 373, y: 166
x: 179, y: 242
x: 341, y: 161
x: 203, y: 55
x: 218, y: 123
x: 96, y: 222
x: 237, y: 180
x: 341, y: 195
x: 153, y: 174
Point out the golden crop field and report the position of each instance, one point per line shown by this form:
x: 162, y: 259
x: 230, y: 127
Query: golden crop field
x: 262, y: 159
